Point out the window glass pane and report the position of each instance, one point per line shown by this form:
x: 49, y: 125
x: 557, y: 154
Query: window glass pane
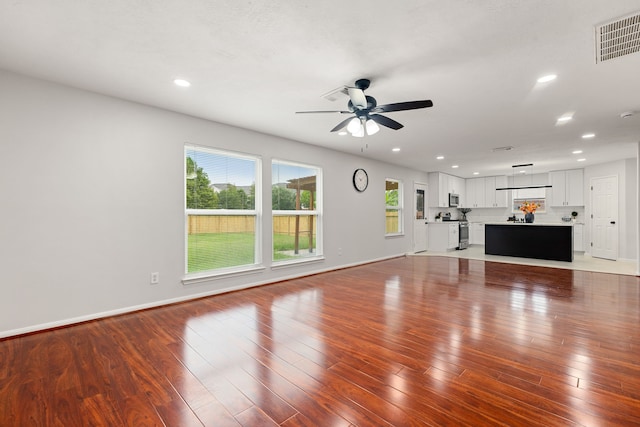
x: 224, y: 182
x: 525, y: 205
x: 392, y: 223
x: 419, y: 204
x: 391, y: 193
x: 394, y: 205
x: 220, y: 241
x: 293, y: 187
x: 219, y: 181
x: 294, y: 236
x: 297, y: 216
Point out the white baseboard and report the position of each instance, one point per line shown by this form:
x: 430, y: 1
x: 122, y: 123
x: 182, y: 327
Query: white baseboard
x: 130, y: 309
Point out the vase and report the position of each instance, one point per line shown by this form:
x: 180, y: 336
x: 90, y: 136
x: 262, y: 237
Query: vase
x: 529, y: 217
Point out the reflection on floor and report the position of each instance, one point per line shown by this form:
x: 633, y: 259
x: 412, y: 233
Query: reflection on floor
x: 580, y: 261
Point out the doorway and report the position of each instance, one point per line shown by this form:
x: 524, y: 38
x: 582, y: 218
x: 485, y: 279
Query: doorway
x: 420, y: 217
x: 604, y: 223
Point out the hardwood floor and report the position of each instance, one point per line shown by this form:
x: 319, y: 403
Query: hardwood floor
x: 409, y: 341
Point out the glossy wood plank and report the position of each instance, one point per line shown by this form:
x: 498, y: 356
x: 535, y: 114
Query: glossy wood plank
x: 409, y: 341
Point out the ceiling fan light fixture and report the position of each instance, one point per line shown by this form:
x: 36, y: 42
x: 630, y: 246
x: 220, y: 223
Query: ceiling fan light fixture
x: 354, y: 126
x: 372, y: 127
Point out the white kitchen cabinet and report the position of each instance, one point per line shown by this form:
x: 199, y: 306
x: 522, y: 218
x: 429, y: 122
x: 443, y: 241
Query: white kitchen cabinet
x: 495, y: 198
x: 482, y: 193
x: 443, y: 236
x: 443, y: 184
x: 578, y: 237
x: 474, y: 197
x: 567, y: 187
x: 476, y: 233
x: 458, y: 187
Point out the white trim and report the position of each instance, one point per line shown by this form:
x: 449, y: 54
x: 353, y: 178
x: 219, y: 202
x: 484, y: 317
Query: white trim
x: 221, y: 274
x: 277, y: 265
x: 160, y: 303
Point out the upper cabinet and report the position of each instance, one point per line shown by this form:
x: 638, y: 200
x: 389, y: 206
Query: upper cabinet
x: 567, y: 188
x: 482, y: 193
x: 495, y: 198
x: 440, y: 185
x: 475, y: 193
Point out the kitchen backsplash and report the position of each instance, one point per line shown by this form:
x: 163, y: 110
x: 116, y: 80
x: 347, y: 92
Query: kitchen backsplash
x: 499, y: 215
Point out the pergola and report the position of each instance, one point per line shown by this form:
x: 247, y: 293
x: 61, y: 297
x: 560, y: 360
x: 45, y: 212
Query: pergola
x: 307, y: 183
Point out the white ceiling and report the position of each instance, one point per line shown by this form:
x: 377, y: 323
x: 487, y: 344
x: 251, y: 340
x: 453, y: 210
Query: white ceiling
x: 254, y: 63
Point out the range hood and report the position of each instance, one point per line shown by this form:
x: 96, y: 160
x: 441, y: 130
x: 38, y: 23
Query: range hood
x: 523, y: 187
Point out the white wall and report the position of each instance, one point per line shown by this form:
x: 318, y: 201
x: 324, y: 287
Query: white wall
x: 92, y: 198
x: 626, y: 171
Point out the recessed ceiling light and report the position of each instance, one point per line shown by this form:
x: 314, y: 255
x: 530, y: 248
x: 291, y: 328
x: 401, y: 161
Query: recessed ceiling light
x: 181, y: 83
x: 395, y: 149
x: 564, y: 119
x: 588, y: 135
x: 581, y: 160
x: 547, y: 78
x: 439, y: 157
x: 454, y: 167
x: 576, y: 152
x: 476, y: 173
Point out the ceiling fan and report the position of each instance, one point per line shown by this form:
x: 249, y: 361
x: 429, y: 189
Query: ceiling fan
x: 366, y: 111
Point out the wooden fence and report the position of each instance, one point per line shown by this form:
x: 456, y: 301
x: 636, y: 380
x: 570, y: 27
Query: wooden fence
x: 246, y: 224
x: 281, y: 224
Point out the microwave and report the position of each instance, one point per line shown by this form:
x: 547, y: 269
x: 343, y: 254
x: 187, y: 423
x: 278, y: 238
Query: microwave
x: 454, y: 200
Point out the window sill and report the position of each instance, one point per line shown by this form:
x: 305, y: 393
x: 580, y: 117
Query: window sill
x: 394, y: 235
x: 291, y: 263
x: 212, y: 275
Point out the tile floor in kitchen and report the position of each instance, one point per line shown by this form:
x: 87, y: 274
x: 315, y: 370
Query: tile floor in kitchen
x: 580, y: 261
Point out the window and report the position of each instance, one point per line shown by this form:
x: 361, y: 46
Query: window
x: 393, y: 202
x: 296, y: 202
x: 535, y: 196
x: 222, y: 210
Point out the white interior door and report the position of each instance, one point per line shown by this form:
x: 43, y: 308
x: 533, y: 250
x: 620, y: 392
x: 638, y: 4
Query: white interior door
x: 604, y: 208
x: 420, y: 217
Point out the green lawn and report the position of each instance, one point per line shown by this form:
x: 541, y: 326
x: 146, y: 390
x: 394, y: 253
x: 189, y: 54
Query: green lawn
x: 209, y: 251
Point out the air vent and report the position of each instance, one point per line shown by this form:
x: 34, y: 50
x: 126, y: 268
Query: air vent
x: 507, y: 148
x: 618, y: 38
x: 336, y: 94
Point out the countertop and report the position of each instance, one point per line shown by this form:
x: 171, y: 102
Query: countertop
x: 552, y: 224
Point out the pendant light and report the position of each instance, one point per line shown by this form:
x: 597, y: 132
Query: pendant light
x: 514, y: 187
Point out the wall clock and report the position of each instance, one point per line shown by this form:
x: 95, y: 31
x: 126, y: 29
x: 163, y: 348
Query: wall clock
x: 360, y: 180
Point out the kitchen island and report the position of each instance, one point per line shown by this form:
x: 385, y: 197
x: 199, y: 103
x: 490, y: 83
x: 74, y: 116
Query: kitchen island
x: 540, y: 241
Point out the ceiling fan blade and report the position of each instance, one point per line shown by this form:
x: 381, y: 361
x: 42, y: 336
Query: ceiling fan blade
x: 386, y: 121
x: 401, y: 106
x: 358, y: 99
x: 315, y: 112
x: 342, y: 124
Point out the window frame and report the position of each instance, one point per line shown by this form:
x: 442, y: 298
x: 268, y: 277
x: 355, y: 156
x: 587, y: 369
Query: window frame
x: 317, y: 213
x: 399, y: 208
x: 536, y: 195
x: 256, y: 212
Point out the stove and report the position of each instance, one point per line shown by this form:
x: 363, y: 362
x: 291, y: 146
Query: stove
x: 463, y: 242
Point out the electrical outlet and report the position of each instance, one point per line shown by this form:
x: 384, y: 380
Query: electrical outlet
x: 339, y: 251
x: 155, y: 278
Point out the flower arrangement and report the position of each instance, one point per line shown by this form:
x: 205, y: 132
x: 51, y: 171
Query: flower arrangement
x: 529, y: 207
